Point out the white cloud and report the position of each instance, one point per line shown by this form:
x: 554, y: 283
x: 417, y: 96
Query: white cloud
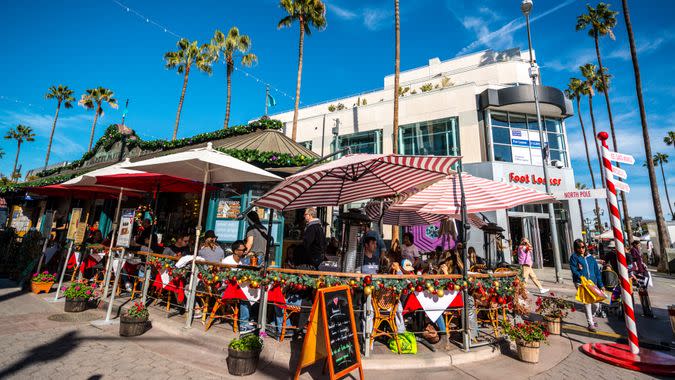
x: 571, y: 63
x: 503, y: 37
x: 340, y: 12
x: 371, y: 17
x: 644, y: 46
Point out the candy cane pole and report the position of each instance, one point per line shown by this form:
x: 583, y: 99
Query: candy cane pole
x: 615, y: 219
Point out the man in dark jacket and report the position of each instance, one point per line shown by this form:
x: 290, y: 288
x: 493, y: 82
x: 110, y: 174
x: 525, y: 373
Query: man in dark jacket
x: 583, y: 264
x: 314, y: 239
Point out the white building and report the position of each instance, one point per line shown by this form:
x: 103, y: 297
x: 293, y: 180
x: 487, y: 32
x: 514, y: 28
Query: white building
x: 479, y: 106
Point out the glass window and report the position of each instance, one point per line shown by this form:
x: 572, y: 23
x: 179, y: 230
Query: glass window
x: 556, y: 141
x: 532, y: 122
x: 559, y: 155
x: 501, y: 135
x: 434, y: 137
x: 552, y: 125
x: 503, y: 153
x: 362, y: 142
x: 499, y: 119
x: 517, y: 121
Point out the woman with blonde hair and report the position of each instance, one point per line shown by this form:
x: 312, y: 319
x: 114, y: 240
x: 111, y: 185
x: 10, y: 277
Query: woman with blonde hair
x: 525, y: 260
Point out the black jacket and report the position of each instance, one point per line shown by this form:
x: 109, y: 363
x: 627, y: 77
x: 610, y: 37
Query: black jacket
x: 314, y: 242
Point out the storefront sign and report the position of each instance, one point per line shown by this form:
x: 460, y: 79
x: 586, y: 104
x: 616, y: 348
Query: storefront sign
x: 525, y: 147
x: 581, y: 194
x: 617, y: 171
x: 126, y: 227
x: 228, y: 208
x: 533, y: 179
x: 20, y: 222
x: 74, y: 221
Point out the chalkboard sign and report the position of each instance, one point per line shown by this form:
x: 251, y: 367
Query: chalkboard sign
x: 331, y: 334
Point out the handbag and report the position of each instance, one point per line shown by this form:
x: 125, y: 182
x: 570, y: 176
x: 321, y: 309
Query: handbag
x: 430, y: 334
x: 407, y: 342
x: 588, y: 292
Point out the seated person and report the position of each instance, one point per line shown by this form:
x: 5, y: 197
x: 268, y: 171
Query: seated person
x: 371, y: 259
x: 409, y: 250
x: 181, y: 247
x: 474, y: 259
x: 210, y: 250
x: 235, y: 259
x: 452, y: 264
x: 405, y: 267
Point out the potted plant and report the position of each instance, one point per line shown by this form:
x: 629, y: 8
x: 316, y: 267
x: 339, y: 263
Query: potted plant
x: 528, y: 337
x: 42, y: 282
x: 243, y: 355
x: 77, y: 295
x: 553, y: 310
x: 134, y: 321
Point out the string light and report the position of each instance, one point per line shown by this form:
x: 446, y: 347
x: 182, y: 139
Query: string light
x: 17, y: 101
x: 165, y: 29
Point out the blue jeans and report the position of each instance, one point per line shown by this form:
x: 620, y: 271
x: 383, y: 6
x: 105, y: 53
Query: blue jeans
x: 441, y: 324
x: 292, y: 299
x: 245, y: 315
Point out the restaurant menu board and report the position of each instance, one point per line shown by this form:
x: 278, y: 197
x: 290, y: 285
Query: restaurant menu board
x: 331, y: 334
x: 46, y: 225
x: 228, y: 208
x: 80, y: 233
x: 126, y: 227
x: 20, y: 222
x: 74, y: 221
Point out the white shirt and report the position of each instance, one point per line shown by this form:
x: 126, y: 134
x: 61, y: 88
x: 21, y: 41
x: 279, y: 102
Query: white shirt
x: 410, y: 252
x: 229, y: 260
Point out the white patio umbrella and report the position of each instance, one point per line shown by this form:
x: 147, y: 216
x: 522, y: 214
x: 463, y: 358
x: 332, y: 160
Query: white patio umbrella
x: 207, y: 166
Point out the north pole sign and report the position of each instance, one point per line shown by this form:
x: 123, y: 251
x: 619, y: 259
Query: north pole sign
x: 581, y: 194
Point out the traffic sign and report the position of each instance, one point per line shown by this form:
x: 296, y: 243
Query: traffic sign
x: 623, y: 186
x: 581, y: 194
x: 620, y: 157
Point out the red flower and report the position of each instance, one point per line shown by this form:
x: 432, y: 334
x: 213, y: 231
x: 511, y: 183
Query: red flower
x: 573, y: 309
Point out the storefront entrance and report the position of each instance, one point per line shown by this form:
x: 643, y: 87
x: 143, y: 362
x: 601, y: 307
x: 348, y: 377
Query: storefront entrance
x: 537, y: 230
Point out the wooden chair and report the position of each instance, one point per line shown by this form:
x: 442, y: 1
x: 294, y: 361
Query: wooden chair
x: 288, y: 312
x: 384, y: 306
x: 231, y: 312
x: 492, y: 313
x: 503, y: 270
x: 450, y: 316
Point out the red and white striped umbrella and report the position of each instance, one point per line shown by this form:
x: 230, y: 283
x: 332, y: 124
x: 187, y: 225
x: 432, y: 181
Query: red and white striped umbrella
x: 443, y: 197
x: 355, y: 177
x: 412, y: 217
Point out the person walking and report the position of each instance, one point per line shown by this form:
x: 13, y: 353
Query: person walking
x: 314, y: 239
x: 525, y: 261
x: 583, y: 264
x: 256, y: 239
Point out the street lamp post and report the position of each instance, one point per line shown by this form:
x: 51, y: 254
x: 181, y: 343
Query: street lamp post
x: 526, y: 7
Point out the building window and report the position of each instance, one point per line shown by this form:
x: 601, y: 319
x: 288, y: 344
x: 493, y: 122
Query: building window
x: 306, y: 144
x: 434, y: 137
x: 361, y: 142
x: 515, y: 138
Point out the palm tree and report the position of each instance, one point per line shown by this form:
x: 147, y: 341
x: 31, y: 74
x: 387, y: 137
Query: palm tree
x: 63, y: 96
x: 21, y: 133
x: 574, y: 90
x: 590, y: 74
x: 660, y: 159
x: 307, y: 13
x: 93, y: 99
x: 670, y: 138
x: 397, y: 69
x: 230, y: 45
x: 662, y: 232
x: 189, y: 53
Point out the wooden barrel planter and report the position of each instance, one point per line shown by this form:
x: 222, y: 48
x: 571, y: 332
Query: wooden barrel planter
x: 528, y: 351
x: 553, y: 325
x: 39, y: 287
x: 75, y: 305
x: 130, y: 326
x: 242, y: 363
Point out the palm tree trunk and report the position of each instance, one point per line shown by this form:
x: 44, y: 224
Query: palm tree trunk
x: 624, y: 201
x: 51, y: 135
x: 16, y: 160
x: 581, y: 215
x: 180, y: 102
x: 397, y: 71
x: 656, y: 201
x: 595, y: 133
x: 588, y: 160
x: 93, y: 128
x: 230, y: 67
x: 294, y: 134
x: 665, y: 186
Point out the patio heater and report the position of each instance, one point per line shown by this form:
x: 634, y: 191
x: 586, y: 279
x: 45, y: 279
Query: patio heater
x: 351, y: 254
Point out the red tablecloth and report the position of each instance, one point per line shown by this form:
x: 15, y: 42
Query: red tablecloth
x: 176, y: 285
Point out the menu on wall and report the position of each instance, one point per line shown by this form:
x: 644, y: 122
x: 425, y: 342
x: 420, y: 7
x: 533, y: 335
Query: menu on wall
x: 227, y: 230
x: 126, y: 227
x: 228, y: 208
x: 72, y: 224
x: 340, y: 333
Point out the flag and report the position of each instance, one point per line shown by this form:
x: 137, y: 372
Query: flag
x: 270, y: 101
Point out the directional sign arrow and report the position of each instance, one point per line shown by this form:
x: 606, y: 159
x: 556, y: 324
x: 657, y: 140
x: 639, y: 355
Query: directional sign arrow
x: 619, y: 172
x: 621, y: 186
x: 620, y: 157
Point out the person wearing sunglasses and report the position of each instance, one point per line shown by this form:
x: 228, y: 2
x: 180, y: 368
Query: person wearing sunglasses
x: 583, y: 264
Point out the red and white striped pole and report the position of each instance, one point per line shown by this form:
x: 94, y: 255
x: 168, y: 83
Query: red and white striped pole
x: 615, y: 219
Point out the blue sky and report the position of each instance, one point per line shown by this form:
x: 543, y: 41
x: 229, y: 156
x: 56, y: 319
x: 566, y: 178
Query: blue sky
x: 84, y: 44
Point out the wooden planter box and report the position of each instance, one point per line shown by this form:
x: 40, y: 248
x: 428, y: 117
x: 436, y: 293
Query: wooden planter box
x: 130, y: 326
x: 39, y: 287
x: 553, y: 325
x: 75, y: 305
x: 528, y: 351
x: 242, y: 363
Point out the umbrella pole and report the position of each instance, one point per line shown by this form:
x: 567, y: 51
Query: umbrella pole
x: 466, y: 333
x: 147, y: 270
x: 262, y: 311
x: 193, y: 283
x: 63, y: 271
x: 106, y: 278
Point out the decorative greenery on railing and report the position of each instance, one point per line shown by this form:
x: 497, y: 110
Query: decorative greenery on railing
x: 268, y: 159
